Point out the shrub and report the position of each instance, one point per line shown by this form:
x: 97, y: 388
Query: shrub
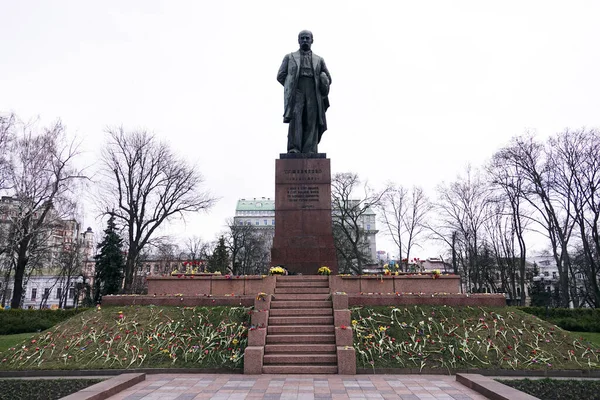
x: 25, y: 321
x: 571, y: 319
x: 52, y: 389
x: 556, y: 389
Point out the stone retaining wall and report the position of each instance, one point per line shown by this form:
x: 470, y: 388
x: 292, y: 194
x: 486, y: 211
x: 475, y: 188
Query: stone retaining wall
x: 209, y: 284
x: 252, y: 284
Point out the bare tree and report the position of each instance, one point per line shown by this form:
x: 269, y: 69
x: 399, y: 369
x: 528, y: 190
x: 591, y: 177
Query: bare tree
x: 404, y: 215
x: 41, y: 181
x: 146, y: 185
x: 248, y: 247
x: 538, y: 168
x: 509, y: 182
x: 349, y: 210
x: 462, y: 209
x: 7, y: 125
x: 576, y: 159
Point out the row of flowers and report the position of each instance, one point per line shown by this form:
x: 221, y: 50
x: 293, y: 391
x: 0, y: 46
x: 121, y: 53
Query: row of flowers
x: 446, y: 337
x: 124, y: 339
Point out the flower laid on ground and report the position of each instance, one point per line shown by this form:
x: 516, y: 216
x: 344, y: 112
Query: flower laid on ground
x: 436, y: 273
x: 148, y: 336
x: 261, y: 296
x: 277, y: 270
x: 324, y: 271
x: 464, y: 337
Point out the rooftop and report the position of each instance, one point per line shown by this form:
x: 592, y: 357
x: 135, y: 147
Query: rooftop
x: 256, y: 204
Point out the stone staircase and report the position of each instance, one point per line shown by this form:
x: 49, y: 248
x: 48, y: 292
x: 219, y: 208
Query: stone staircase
x: 300, y: 331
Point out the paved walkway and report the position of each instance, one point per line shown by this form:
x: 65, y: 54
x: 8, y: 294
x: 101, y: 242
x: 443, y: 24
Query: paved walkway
x: 302, y: 387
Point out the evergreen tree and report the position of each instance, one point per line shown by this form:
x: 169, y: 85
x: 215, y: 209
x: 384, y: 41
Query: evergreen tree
x: 110, y: 263
x: 219, y: 260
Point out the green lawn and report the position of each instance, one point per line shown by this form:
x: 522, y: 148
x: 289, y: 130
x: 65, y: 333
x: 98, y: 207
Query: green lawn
x: 7, y: 341
x: 593, y: 337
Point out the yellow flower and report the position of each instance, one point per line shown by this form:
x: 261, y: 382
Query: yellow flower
x: 382, y: 328
x: 235, y: 341
x: 354, y: 322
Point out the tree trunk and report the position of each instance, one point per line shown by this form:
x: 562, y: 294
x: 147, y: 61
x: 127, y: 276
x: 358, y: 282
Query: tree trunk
x: 20, y: 272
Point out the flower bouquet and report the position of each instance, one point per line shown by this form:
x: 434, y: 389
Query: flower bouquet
x: 324, y: 270
x: 277, y: 271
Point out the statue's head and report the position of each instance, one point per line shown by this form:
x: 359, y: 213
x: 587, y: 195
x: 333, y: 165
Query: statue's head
x: 305, y: 40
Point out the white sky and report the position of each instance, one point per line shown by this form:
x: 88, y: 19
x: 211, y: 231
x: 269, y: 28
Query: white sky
x: 420, y: 88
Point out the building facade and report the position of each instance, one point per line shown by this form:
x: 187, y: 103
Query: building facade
x: 56, y: 270
x: 260, y: 213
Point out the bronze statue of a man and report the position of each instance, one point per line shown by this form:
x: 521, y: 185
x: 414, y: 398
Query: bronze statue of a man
x: 305, y: 81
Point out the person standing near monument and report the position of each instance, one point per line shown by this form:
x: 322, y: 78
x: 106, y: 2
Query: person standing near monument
x: 305, y: 79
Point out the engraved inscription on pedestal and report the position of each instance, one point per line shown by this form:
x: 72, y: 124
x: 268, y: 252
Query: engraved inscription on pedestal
x: 303, y: 194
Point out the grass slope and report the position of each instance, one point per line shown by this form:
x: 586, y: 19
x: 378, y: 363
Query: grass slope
x: 464, y: 337
x: 137, y: 336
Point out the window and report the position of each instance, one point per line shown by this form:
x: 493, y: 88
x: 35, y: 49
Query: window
x: 72, y: 293
x: 272, y: 222
x: 46, y: 293
x: 33, y: 294
x: 368, y: 227
x: 147, y: 268
x: 58, y: 293
x: 265, y: 221
x: 257, y: 223
x: 546, y: 273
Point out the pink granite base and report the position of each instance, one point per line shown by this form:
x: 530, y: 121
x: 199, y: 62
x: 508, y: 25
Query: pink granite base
x: 456, y: 300
x: 253, y: 360
x: 346, y: 359
x: 257, y: 337
x: 343, y: 337
x: 182, y: 301
x: 341, y: 318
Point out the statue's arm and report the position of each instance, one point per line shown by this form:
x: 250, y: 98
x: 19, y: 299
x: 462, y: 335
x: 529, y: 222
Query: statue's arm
x: 324, y: 69
x: 283, y: 70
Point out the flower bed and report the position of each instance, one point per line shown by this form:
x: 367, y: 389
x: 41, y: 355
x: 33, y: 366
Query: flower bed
x: 128, y: 337
x: 451, y: 338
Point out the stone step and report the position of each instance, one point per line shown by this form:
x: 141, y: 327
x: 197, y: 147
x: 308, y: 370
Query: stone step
x: 300, y: 359
x: 300, y: 304
x: 312, y: 290
x: 297, y: 320
x: 277, y: 329
x: 301, y: 338
x: 299, y: 312
x: 300, y: 369
x: 300, y: 348
x: 300, y: 296
x: 302, y: 278
x: 312, y: 284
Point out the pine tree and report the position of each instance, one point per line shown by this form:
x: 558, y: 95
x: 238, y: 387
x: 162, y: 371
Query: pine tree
x: 219, y: 260
x: 110, y: 263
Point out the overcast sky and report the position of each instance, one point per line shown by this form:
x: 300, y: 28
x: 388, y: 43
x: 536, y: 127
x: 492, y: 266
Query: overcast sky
x: 420, y: 88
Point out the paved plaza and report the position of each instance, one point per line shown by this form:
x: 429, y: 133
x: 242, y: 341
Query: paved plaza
x: 303, y: 387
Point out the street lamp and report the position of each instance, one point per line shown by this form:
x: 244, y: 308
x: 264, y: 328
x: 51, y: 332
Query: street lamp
x: 80, y: 284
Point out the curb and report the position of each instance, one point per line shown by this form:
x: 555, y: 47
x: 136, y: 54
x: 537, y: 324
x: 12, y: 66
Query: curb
x: 112, y: 372
x: 558, y: 373
x: 490, y: 388
x: 108, y: 388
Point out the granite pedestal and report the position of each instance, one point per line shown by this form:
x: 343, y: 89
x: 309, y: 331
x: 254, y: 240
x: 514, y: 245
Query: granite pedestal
x: 303, y: 239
